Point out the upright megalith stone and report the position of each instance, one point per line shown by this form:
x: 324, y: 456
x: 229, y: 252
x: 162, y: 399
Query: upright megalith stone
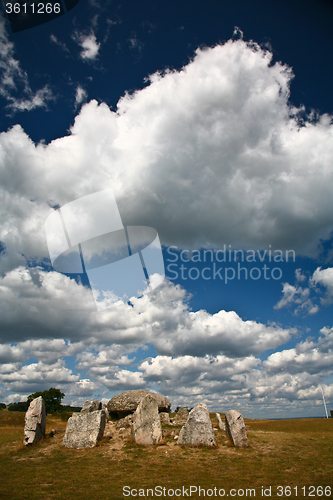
x: 181, y: 416
x: 146, y: 428
x: 83, y: 430
x: 35, y: 421
x: 105, y: 409
x: 90, y: 406
x: 198, y: 429
x: 235, y: 428
x: 125, y: 422
x: 221, y: 424
x: 165, y: 417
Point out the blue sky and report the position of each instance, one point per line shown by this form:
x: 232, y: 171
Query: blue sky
x: 212, y: 123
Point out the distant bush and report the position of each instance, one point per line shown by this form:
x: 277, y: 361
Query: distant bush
x: 20, y: 406
x: 65, y: 415
x: 2, y: 406
x: 70, y: 408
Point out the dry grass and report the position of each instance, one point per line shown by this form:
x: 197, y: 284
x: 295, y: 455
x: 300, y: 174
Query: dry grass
x: 293, y: 452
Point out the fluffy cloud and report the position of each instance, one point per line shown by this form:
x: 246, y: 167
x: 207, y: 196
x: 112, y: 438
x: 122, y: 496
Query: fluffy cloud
x: 292, y: 361
x: 222, y: 332
x: 296, y: 295
x: 198, y: 353
x: 89, y: 45
x: 9, y: 353
x: 300, y: 296
x: 30, y: 308
x: 104, y: 358
x: 211, y: 154
x: 14, y: 81
x: 80, y: 96
x: 325, y: 277
x: 49, y: 351
x: 287, y: 380
x: 32, y: 377
x: 35, y: 303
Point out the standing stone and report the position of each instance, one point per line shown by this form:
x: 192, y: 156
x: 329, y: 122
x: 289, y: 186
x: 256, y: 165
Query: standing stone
x: 125, y: 422
x: 90, y: 406
x: 83, y: 430
x: 86, y: 407
x: 220, y: 422
x: 146, y: 428
x: 235, y: 428
x: 105, y: 409
x: 198, y: 428
x: 35, y: 421
x: 165, y: 417
x: 181, y: 416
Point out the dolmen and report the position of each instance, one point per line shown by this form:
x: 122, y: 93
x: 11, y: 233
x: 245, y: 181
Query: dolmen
x: 146, y: 426
x: 198, y: 429
x: 35, y: 421
x: 84, y: 429
x: 235, y: 428
x: 125, y: 403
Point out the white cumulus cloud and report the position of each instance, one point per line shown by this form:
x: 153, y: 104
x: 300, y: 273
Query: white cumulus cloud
x: 207, y: 155
x: 14, y: 81
x: 325, y: 277
x: 89, y: 45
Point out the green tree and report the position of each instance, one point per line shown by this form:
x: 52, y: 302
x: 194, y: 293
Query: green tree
x: 52, y: 399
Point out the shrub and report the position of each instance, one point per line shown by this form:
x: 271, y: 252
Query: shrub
x: 70, y: 408
x: 20, y: 406
x: 65, y: 415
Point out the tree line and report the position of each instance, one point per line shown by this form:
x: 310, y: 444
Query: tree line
x: 52, y: 400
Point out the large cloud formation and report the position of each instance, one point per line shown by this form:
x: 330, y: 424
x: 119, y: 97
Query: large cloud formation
x: 197, y: 356
x: 212, y: 154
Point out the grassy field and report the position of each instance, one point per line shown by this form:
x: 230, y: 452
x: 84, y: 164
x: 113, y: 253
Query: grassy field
x: 295, y: 454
